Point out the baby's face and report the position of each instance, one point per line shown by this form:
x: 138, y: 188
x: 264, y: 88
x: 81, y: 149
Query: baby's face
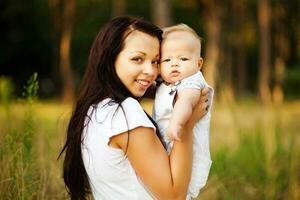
x: 180, y: 56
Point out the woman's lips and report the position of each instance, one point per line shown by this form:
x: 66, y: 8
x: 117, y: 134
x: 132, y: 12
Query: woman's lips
x: 143, y: 84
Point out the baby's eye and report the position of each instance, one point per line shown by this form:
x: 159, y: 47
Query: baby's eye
x: 166, y: 60
x: 137, y: 59
x: 184, y: 59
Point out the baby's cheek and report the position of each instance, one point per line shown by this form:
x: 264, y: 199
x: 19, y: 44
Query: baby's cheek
x: 163, y: 70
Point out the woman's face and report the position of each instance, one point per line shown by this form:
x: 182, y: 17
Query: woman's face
x: 137, y: 64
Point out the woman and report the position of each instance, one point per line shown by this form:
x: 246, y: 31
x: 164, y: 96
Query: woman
x: 113, y: 147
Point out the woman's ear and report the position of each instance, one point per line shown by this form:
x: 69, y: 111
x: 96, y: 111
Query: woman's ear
x: 200, y: 63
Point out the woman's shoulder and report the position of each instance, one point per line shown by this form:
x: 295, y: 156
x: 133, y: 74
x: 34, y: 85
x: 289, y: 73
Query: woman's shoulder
x: 131, y: 103
x: 124, y: 117
x: 109, y: 110
x: 108, y: 105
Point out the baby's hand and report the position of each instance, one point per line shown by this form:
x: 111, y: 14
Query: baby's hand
x: 173, y: 132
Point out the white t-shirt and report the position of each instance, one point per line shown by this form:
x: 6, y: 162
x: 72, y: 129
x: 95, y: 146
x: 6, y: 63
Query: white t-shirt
x: 162, y: 112
x: 110, y: 173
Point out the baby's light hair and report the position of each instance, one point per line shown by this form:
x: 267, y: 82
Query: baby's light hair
x: 181, y: 27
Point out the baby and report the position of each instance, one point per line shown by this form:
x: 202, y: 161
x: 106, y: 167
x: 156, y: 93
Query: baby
x: 176, y: 97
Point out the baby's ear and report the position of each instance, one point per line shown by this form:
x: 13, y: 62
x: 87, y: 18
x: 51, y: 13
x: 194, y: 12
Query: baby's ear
x: 200, y: 63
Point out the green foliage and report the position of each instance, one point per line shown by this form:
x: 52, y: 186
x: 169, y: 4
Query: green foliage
x: 6, y: 92
x: 291, y: 82
x: 20, y: 174
x: 245, y: 168
x: 31, y: 88
x: 247, y: 173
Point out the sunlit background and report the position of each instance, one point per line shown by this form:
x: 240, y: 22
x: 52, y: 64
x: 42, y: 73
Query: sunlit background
x: 251, y: 52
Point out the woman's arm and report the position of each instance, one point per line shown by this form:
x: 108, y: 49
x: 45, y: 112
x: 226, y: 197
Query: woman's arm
x: 167, y: 177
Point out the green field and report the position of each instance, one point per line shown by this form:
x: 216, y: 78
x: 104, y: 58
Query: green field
x: 255, y: 151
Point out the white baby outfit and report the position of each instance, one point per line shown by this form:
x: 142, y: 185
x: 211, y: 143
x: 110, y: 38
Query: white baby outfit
x: 110, y: 173
x: 162, y: 112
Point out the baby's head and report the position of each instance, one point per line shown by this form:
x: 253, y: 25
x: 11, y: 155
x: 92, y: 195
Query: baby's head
x: 180, y: 53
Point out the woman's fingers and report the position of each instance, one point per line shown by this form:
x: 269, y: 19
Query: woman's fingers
x: 201, y: 108
x: 204, y: 91
x: 204, y: 95
x: 203, y: 102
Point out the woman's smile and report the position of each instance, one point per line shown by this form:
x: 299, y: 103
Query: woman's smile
x: 143, y: 83
x: 137, y: 63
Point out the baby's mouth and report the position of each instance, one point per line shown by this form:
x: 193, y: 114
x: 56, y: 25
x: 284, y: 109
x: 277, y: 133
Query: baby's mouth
x: 175, y: 73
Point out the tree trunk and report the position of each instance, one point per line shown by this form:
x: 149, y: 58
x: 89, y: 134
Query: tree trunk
x: 264, y: 52
x: 212, y: 47
x: 65, y: 45
x: 55, y: 13
x: 278, y: 95
x: 62, y: 14
x: 161, y: 12
x: 226, y: 89
x: 225, y: 58
x: 118, y: 8
x: 239, y: 20
x: 282, y: 52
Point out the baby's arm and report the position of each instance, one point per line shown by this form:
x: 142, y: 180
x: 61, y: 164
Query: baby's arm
x: 186, y: 100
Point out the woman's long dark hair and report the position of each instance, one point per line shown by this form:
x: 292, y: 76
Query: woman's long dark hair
x: 99, y: 82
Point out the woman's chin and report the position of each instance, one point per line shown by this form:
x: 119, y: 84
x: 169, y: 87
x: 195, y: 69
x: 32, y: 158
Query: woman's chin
x: 138, y: 94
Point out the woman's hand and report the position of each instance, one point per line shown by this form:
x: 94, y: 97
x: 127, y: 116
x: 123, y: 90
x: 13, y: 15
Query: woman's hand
x: 201, y: 108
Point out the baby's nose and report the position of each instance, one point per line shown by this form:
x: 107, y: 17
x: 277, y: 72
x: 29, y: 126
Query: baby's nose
x: 174, y: 63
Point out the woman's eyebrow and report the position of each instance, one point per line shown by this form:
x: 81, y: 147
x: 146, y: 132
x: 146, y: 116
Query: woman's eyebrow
x: 138, y: 52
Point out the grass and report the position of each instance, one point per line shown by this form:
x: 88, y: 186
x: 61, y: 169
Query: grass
x: 255, y: 151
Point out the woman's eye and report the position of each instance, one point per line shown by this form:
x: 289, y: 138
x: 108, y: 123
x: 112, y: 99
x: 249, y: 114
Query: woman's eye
x: 184, y: 59
x: 137, y: 59
x: 155, y: 62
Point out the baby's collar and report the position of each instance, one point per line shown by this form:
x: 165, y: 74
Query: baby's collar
x: 172, y: 84
x: 173, y: 87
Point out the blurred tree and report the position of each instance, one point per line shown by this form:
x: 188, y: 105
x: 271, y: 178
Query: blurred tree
x: 55, y: 13
x: 212, y: 13
x: 63, y: 14
x: 281, y: 48
x: 161, y: 12
x: 226, y: 47
x: 118, y: 8
x: 65, y: 48
x: 264, y: 52
x: 24, y: 41
x: 234, y: 32
x: 239, y: 44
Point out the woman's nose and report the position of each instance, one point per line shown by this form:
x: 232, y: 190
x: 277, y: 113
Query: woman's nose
x: 149, y: 69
